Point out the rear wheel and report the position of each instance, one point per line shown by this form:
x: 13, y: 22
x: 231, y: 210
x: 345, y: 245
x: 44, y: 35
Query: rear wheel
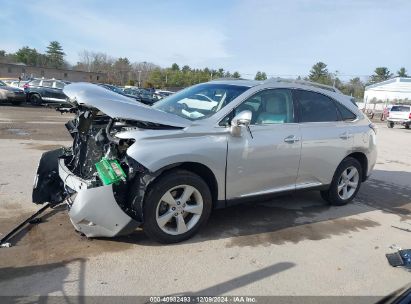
x: 345, y: 184
x: 407, y: 126
x: 176, y: 207
x: 35, y: 99
x: 390, y: 124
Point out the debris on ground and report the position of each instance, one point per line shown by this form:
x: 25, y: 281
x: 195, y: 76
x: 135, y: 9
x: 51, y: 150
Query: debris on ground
x: 395, y: 247
x: 400, y: 258
x: 3, y: 240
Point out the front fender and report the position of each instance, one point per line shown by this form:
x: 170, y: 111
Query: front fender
x: 208, y: 150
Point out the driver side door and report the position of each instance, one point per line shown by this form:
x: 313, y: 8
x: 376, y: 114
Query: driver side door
x: 265, y: 158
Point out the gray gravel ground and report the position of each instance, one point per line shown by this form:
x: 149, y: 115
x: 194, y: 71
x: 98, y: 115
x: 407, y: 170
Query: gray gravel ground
x: 293, y: 245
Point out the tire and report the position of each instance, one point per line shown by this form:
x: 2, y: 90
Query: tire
x: 390, y: 124
x: 161, y: 222
x: 407, y: 126
x: 340, y: 198
x: 16, y: 102
x: 35, y: 99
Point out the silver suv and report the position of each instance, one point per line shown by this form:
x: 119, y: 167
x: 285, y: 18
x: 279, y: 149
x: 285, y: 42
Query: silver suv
x: 209, y: 146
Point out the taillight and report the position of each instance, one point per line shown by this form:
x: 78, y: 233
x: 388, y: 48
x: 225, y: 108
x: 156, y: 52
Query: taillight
x: 373, y: 127
x: 409, y: 116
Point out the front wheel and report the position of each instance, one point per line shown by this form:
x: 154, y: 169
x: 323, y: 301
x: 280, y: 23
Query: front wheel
x: 35, y: 99
x: 176, y: 206
x: 390, y: 124
x: 345, y: 184
x: 407, y: 126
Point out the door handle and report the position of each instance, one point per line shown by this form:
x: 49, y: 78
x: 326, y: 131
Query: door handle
x: 291, y: 139
x: 345, y: 135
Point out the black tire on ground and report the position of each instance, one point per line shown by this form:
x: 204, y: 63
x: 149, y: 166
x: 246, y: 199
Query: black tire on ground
x: 331, y: 195
x: 35, y: 99
x: 16, y: 102
x: 158, y: 189
x: 407, y: 126
x: 390, y: 124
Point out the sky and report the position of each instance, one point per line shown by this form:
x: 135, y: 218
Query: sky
x: 282, y: 38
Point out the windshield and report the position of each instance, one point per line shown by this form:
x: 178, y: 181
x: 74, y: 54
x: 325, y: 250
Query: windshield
x: 200, y: 101
x: 2, y: 84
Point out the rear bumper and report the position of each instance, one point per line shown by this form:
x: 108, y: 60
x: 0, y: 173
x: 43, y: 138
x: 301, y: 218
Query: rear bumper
x: 94, y: 210
x: 399, y: 121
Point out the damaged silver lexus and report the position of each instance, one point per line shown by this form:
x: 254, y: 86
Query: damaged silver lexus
x: 164, y: 168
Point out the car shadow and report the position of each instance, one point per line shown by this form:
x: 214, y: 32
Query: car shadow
x: 299, y: 216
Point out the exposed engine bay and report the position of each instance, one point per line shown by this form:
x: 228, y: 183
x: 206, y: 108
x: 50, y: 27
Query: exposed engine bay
x: 94, y: 142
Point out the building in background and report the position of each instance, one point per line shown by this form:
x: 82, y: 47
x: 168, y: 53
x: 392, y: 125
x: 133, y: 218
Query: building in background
x: 391, y: 91
x: 15, y: 70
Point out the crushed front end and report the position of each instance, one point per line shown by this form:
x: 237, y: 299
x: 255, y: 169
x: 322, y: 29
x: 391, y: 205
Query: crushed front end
x: 96, y: 177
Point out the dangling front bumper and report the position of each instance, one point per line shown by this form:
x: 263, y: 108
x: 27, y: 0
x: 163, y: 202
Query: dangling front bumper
x: 94, y: 210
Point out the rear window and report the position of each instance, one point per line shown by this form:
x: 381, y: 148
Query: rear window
x: 47, y: 83
x: 400, y: 109
x: 315, y: 107
x: 59, y: 85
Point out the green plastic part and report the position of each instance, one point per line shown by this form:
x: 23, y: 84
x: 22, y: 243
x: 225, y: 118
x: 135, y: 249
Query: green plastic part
x: 110, y: 171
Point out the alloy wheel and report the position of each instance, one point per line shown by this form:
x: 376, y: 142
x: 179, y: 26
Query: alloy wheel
x: 179, y: 209
x: 348, y: 183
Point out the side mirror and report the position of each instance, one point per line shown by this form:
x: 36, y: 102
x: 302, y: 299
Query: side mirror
x: 241, y: 119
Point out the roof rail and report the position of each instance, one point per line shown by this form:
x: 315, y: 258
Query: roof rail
x: 304, y: 82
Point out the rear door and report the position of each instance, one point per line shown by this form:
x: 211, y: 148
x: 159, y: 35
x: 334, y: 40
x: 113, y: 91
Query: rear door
x: 326, y: 139
x: 58, y: 86
x: 47, y: 92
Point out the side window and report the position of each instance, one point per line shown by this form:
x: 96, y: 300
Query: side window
x: 315, y: 107
x: 47, y: 83
x: 273, y: 106
x: 35, y: 83
x: 59, y: 85
x: 345, y: 113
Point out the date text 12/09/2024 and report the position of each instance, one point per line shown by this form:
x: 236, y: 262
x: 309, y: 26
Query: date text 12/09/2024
x: 203, y: 299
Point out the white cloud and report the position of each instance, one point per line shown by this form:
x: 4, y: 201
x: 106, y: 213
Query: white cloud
x: 139, y: 39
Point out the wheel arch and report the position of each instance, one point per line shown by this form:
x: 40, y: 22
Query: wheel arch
x: 197, y: 168
x: 363, y: 160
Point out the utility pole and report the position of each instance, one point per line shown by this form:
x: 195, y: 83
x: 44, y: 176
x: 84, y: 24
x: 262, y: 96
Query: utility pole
x: 139, y: 79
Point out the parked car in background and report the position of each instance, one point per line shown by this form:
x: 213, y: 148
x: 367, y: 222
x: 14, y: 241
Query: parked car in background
x: 19, y: 84
x: 164, y: 93
x: 167, y: 166
x: 147, y: 97
x: 118, y: 90
x: 14, y: 82
x: 399, y: 114
x: 41, y: 91
x: 11, y: 94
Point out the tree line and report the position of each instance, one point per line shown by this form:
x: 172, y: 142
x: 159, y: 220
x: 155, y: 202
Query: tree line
x: 52, y: 58
x: 355, y: 86
x: 121, y: 71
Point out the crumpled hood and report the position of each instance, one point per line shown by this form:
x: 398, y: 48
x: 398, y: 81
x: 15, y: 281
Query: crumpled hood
x: 119, y: 106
